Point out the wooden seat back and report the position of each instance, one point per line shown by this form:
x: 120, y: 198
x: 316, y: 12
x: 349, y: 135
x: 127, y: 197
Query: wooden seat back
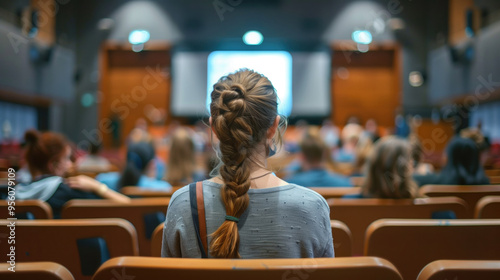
x: 471, y: 194
x: 494, y: 179
x: 57, y: 240
x: 142, y: 268
x: 488, y: 207
x: 141, y: 212
x: 35, y: 209
x: 358, y: 214
x: 412, y: 244
x: 460, y: 269
x: 35, y: 270
x: 492, y: 172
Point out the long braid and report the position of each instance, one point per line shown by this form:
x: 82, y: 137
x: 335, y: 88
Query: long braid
x: 236, y: 102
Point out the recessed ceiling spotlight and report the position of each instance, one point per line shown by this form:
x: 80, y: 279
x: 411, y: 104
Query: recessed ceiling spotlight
x: 362, y: 37
x: 253, y: 37
x: 138, y: 37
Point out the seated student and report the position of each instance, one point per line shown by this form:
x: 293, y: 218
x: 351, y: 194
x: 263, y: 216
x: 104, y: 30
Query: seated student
x: 181, y: 168
x: 462, y: 166
x: 389, y: 171
x: 349, y: 136
x: 363, y: 150
x: 250, y: 213
x: 313, y: 172
x: 140, y: 160
x: 419, y: 167
x: 93, y: 161
x: 48, y: 157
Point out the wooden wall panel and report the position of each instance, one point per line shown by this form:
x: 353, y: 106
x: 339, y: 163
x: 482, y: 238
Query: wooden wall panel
x: 457, y: 20
x: 366, y: 85
x: 47, y: 10
x: 132, y: 85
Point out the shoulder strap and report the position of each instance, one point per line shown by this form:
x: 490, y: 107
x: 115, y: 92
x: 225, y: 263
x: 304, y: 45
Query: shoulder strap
x: 198, y: 214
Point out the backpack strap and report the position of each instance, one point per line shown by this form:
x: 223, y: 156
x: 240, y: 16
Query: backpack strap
x: 198, y: 214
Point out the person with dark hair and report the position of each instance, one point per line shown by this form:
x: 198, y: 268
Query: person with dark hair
x: 93, y: 161
x: 250, y: 213
x: 313, y: 172
x: 462, y: 166
x: 140, y: 159
x: 48, y: 158
x: 417, y: 150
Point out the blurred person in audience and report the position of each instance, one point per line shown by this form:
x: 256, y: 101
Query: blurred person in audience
x: 48, y: 157
x: 140, y: 162
x: 181, y: 167
x: 417, y: 150
x: 363, y: 150
x: 349, y: 136
x: 402, y: 125
x: 294, y: 135
x: 313, y: 171
x: 93, y: 161
x: 200, y: 136
x: 353, y: 120
x: 389, y: 171
x: 481, y: 141
x: 462, y: 166
x: 330, y: 134
x: 371, y: 130
x: 246, y: 195
x: 140, y: 132
x: 23, y: 175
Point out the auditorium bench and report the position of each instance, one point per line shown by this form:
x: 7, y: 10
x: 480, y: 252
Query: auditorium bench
x: 488, y: 207
x: 35, y: 271
x: 26, y: 209
x: 144, y: 268
x: 358, y: 214
x: 494, y: 179
x: 460, y: 269
x: 492, y: 172
x: 471, y: 194
x: 412, y: 244
x: 144, y: 213
x: 79, y: 245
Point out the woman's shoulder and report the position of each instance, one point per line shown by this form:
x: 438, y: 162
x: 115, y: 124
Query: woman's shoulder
x: 306, y: 194
x: 181, y: 194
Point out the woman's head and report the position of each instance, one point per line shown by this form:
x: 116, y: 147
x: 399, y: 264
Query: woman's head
x: 363, y: 150
x: 139, y: 157
x: 417, y: 149
x: 244, y: 117
x: 390, y: 170
x: 313, y: 148
x: 47, y: 153
x: 463, y: 162
x: 181, y: 161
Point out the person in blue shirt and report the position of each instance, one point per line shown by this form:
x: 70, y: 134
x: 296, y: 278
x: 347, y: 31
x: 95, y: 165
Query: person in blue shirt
x: 313, y: 171
x: 140, y: 159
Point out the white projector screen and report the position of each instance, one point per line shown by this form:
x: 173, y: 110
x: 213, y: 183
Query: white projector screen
x: 275, y: 65
x: 309, y: 82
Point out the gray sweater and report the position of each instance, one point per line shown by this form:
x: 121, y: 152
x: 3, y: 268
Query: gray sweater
x: 280, y: 222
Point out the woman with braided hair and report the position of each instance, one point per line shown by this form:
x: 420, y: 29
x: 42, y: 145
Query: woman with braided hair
x: 249, y: 212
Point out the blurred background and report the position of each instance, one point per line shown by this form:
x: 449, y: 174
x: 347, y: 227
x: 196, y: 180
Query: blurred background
x: 97, y: 70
